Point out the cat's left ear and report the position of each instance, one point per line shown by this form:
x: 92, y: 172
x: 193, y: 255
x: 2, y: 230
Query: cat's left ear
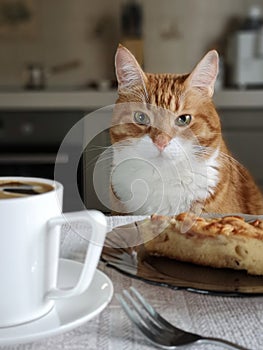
x: 204, y: 74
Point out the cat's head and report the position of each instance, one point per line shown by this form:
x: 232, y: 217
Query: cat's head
x: 187, y: 98
x: 166, y: 134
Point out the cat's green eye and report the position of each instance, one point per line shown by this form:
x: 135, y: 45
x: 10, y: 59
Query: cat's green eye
x: 183, y: 120
x: 141, y: 118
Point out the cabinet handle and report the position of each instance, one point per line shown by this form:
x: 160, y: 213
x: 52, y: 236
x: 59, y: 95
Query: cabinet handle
x: 33, y: 158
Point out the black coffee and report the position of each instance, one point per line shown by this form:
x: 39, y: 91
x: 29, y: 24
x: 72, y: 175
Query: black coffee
x: 15, y: 189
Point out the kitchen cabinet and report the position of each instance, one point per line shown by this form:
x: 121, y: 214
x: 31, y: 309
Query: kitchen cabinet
x: 243, y: 132
x: 29, y: 144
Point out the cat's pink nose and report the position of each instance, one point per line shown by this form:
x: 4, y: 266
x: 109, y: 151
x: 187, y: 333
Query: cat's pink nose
x: 161, y: 141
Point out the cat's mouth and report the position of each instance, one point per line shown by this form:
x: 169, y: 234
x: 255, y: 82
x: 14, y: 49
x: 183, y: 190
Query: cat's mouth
x: 161, y: 156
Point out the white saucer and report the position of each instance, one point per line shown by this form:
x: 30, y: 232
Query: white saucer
x: 67, y: 314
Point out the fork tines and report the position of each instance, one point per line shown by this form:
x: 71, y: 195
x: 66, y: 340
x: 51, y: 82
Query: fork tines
x: 150, y: 322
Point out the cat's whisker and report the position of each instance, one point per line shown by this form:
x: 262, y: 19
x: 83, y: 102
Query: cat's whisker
x: 229, y: 159
x: 232, y: 164
x: 96, y: 148
x: 91, y: 162
x: 99, y: 158
x: 203, y: 151
x: 226, y: 160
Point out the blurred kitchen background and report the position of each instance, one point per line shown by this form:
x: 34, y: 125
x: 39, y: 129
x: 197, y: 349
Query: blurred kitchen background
x: 57, y: 65
x: 74, y: 41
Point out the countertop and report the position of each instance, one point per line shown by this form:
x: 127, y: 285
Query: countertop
x: 92, y: 99
x: 53, y: 99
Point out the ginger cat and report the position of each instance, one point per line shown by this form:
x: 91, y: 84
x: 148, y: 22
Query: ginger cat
x: 169, y: 155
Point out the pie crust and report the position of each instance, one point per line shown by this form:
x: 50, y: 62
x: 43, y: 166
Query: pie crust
x: 227, y: 242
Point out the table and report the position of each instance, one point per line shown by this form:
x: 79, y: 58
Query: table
x: 236, y: 319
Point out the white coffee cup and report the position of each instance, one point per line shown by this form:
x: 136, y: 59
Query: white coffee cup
x: 29, y: 251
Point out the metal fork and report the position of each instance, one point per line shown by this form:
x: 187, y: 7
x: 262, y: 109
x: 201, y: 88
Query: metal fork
x: 157, y: 329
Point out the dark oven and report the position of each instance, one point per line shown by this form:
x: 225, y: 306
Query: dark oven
x: 29, y: 141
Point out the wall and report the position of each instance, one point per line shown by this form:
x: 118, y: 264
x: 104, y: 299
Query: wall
x: 176, y: 34
x: 197, y: 26
x: 66, y: 30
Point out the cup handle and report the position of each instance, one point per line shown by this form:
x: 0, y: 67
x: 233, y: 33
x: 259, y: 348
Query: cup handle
x: 98, y: 224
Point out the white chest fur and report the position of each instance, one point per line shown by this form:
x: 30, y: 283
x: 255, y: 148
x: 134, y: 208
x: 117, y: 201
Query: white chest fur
x: 148, y: 181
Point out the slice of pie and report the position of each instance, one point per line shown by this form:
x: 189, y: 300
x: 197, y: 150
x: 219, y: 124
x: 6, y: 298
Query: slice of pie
x: 227, y: 242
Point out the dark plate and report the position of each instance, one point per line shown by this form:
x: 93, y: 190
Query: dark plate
x: 134, y: 262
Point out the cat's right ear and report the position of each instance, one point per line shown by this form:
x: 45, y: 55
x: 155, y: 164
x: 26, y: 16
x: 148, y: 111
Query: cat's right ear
x: 128, y: 71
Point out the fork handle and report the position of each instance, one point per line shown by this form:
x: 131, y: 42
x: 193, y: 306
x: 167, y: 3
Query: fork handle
x: 217, y: 341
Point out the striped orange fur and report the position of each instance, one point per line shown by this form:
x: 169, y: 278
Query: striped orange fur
x: 232, y: 190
